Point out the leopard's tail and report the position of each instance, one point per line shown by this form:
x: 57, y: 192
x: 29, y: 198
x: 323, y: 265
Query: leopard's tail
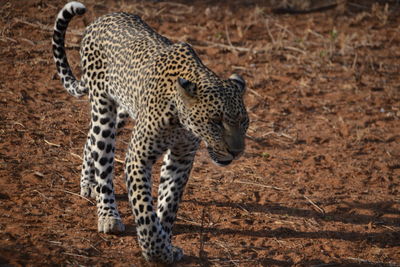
x: 74, y: 86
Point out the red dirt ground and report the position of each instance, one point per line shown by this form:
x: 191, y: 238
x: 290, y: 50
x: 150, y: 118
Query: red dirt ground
x: 319, y: 182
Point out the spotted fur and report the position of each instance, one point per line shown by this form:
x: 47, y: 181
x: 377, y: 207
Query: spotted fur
x: 176, y: 101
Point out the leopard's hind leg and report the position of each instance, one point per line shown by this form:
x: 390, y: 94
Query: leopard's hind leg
x: 88, y: 181
x: 102, y: 140
x: 98, y: 166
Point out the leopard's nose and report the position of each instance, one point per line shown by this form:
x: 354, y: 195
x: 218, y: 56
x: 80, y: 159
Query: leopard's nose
x: 235, y: 152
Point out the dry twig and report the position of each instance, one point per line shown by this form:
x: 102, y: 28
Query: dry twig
x: 188, y: 221
x: 319, y: 209
x: 75, y: 194
x: 119, y: 161
x: 228, y: 251
x: 51, y: 144
x: 255, y: 93
x: 76, y: 155
x: 40, y: 193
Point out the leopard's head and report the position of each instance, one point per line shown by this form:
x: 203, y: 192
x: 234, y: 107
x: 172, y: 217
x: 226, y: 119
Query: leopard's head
x: 213, y: 109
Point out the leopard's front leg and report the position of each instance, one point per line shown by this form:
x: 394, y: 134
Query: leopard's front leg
x: 153, y: 240
x: 175, y: 172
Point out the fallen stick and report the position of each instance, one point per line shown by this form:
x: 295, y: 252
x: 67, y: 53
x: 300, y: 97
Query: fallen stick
x: 75, y: 194
x: 314, y: 205
x: 51, y: 144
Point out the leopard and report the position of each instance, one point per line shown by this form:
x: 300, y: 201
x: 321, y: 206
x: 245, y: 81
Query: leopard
x: 128, y: 70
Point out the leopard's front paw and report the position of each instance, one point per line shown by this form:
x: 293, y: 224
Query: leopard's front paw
x: 168, y: 255
x: 110, y: 225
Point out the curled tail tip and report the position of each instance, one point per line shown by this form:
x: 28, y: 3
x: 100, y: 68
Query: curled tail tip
x: 71, y: 9
x: 76, y: 7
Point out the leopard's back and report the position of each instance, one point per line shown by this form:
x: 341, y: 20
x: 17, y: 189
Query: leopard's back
x: 120, y: 49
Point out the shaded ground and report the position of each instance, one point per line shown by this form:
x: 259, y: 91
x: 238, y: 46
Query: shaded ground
x: 319, y: 182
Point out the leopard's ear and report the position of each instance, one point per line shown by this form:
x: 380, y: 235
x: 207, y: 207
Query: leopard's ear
x: 239, y: 81
x: 186, y: 90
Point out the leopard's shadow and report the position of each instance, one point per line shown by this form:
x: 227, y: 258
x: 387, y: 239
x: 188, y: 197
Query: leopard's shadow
x: 387, y: 238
